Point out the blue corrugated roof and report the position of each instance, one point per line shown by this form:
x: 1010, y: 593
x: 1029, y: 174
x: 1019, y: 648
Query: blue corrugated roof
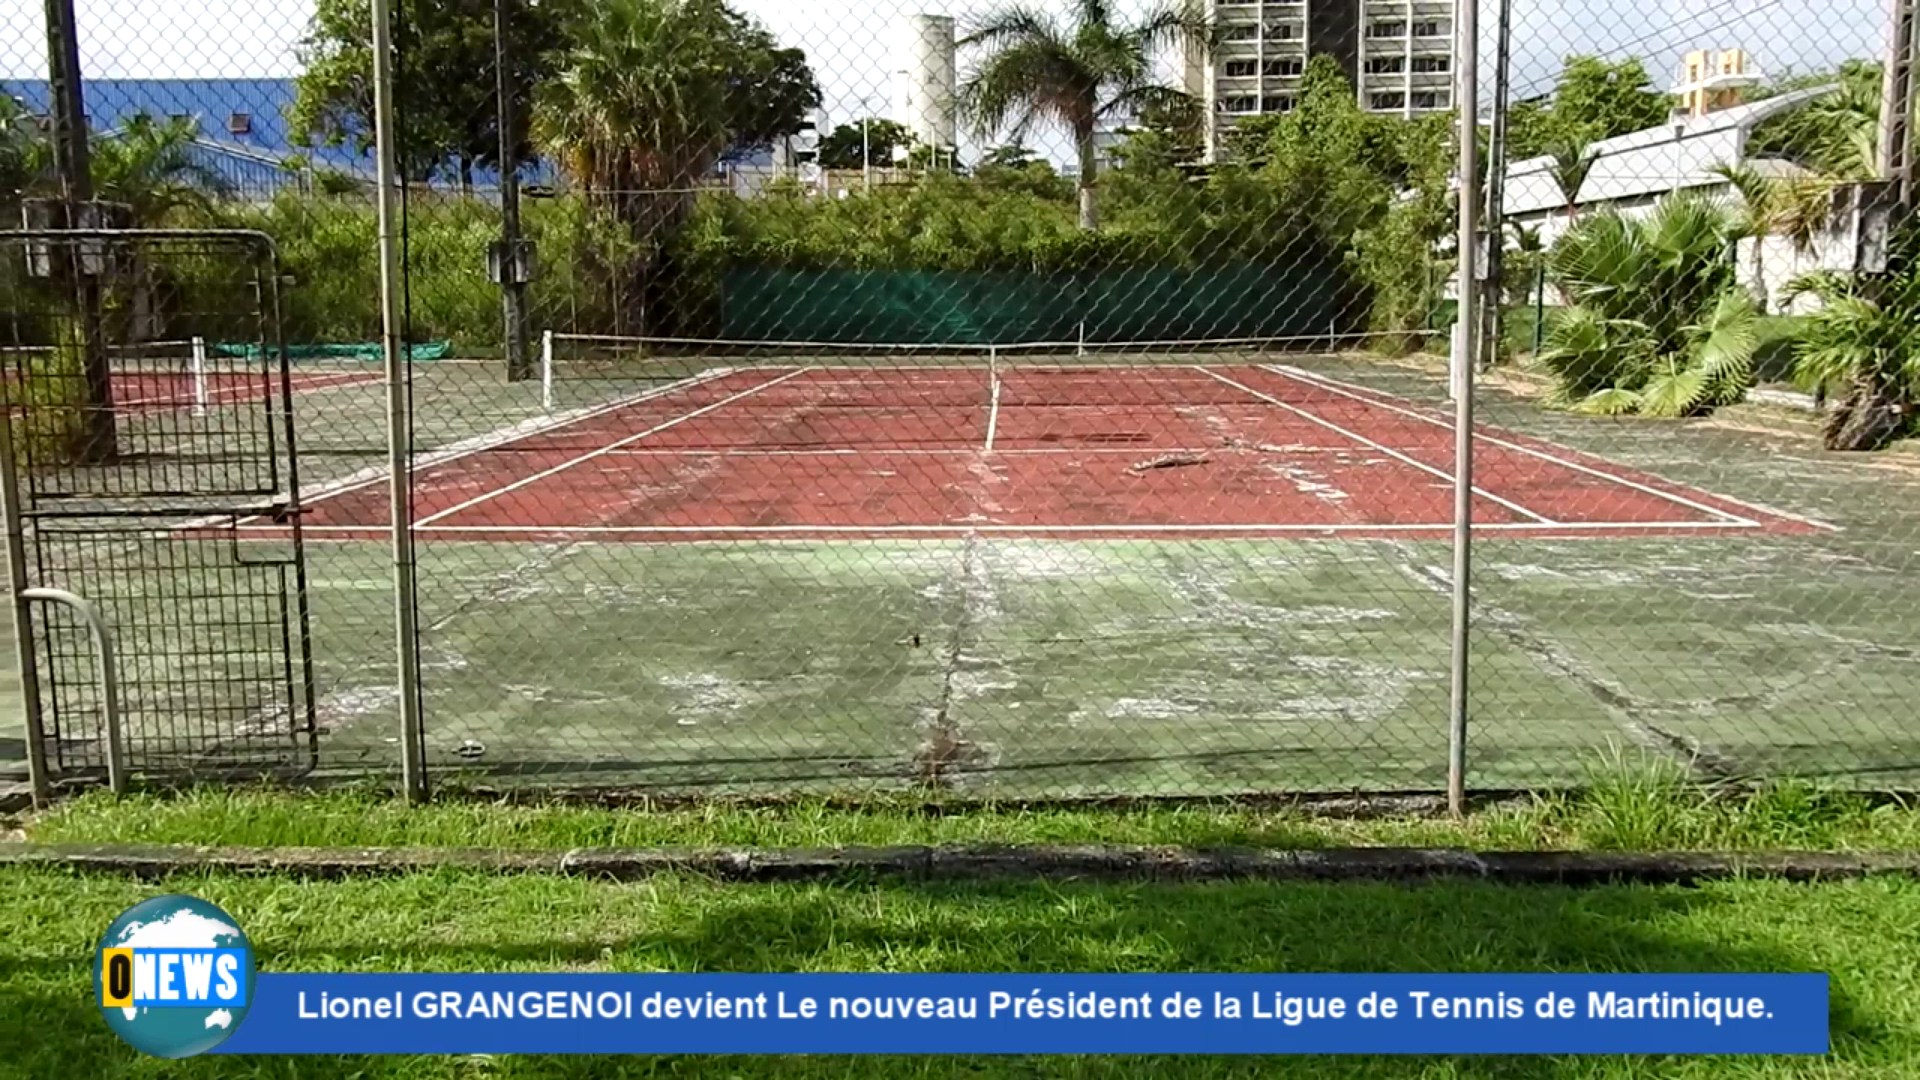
x: 216, y: 103
x: 250, y: 158
x: 243, y: 131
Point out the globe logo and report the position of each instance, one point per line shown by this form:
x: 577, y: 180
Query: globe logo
x: 174, y: 976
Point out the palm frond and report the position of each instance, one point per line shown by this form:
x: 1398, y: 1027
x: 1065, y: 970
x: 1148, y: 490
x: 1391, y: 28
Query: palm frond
x: 1009, y: 25
x: 1673, y: 391
x: 1725, y: 345
x: 1613, y: 401
x: 1572, y: 162
x: 1135, y: 99
x: 1756, y: 195
x: 1025, y: 82
x: 1173, y: 26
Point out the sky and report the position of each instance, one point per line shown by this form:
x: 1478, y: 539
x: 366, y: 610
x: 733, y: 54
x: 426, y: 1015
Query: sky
x: 849, y: 42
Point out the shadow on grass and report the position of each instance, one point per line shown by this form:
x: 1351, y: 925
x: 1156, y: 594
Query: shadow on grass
x: 463, y: 923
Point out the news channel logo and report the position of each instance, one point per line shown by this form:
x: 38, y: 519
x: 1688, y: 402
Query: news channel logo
x: 174, y: 976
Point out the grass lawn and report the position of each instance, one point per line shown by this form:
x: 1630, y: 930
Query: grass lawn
x: 1861, y: 933
x: 1630, y: 803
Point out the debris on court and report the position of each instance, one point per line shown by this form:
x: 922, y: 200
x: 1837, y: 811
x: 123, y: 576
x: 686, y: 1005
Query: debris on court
x: 1168, y: 461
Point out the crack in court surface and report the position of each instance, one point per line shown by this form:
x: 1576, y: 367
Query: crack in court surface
x: 1629, y: 711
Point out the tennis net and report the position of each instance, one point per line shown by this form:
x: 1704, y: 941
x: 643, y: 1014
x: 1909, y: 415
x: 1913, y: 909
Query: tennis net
x: 900, y: 375
x: 144, y: 375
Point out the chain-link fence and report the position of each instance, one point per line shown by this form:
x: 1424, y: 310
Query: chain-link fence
x: 1006, y: 400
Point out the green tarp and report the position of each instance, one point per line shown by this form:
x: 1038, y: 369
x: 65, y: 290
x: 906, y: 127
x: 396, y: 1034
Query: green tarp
x: 432, y: 350
x: 1243, y: 300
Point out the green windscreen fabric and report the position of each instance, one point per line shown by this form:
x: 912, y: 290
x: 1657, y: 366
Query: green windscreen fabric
x: 1153, y: 303
x: 371, y: 352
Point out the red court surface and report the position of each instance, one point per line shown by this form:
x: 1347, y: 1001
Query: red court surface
x: 171, y: 391
x: 800, y: 452
x: 176, y: 391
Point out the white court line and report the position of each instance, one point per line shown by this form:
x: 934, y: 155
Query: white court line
x: 605, y: 450
x: 1346, y: 389
x: 477, y: 444
x: 319, y: 382
x: 1387, y: 450
x: 993, y: 413
x: 960, y: 529
x: 1161, y: 372
x: 912, y: 451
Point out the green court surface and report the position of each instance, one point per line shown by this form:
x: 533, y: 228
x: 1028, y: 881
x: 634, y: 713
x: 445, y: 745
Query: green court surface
x: 998, y: 666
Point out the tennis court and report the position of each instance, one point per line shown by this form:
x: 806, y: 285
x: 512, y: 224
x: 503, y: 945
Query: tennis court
x: 1193, y: 572
x: 164, y: 377
x: 1109, y: 451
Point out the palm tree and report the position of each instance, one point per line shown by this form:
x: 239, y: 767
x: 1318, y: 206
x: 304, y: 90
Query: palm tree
x: 1659, y: 325
x: 646, y: 98
x: 640, y: 104
x: 1843, y: 128
x: 1572, y: 161
x: 16, y: 152
x: 151, y: 167
x: 1077, y: 74
x: 1800, y: 209
x: 1861, y: 349
x: 146, y: 164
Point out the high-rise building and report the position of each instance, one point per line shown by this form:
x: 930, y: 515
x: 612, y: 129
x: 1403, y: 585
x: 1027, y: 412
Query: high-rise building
x: 1398, y: 55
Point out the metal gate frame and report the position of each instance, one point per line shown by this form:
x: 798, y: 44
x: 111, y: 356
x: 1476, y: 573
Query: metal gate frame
x: 278, y: 500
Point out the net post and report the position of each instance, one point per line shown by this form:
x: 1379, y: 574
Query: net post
x: 199, y: 369
x: 546, y: 370
x: 1082, y: 351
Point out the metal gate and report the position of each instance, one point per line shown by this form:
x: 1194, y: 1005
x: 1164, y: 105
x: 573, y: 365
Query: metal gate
x: 151, y: 469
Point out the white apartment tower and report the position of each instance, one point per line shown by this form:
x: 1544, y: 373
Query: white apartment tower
x: 1398, y: 54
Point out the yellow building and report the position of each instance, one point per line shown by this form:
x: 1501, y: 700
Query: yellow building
x: 1711, y: 81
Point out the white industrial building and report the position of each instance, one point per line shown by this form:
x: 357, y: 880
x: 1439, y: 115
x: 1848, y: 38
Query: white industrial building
x: 1632, y: 172
x: 925, y: 81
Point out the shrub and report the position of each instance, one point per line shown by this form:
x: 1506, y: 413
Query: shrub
x: 1658, y: 325
x: 1862, y: 349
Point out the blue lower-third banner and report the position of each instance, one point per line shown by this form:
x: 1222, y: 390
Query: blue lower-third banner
x: 1034, y: 1014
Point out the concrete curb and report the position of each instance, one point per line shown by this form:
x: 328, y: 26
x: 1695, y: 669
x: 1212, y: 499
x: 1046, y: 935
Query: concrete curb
x: 974, y: 863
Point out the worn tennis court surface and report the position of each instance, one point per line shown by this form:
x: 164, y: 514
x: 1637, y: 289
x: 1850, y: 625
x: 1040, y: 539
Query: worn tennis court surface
x: 1155, y: 579
x: 1168, y: 451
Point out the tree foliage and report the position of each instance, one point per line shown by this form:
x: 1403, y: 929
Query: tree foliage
x: 445, y: 94
x: 1836, y: 134
x: 1079, y: 74
x: 648, y: 94
x: 1370, y: 184
x: 1014, y: 168
x: 1658, y: 324
x: 1594, y: 99
x: 852, y: 145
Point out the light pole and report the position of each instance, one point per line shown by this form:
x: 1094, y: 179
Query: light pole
x: 96, y: 441
x: 510, y: 263
x: 1494, y: 300
x: 1679, y: 164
